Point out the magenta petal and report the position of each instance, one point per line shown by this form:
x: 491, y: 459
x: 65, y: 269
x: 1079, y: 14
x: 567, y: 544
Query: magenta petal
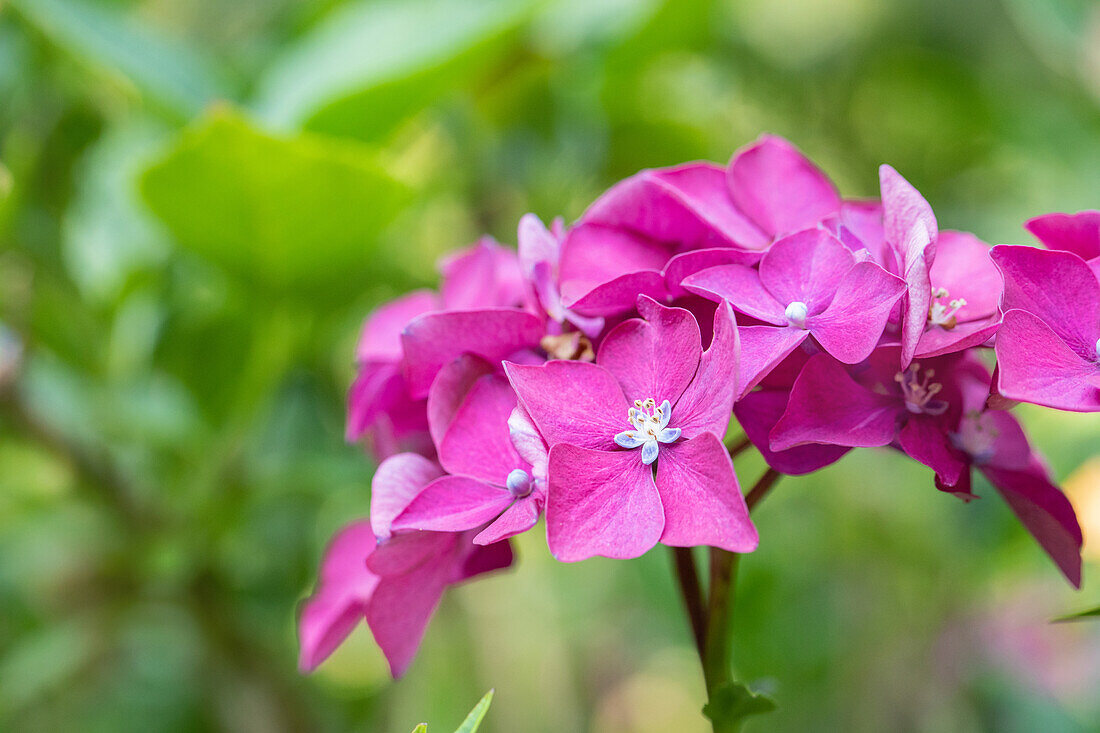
x: 762, y: 349
x: 453, y: 504
x: 614, y: 296
x: 965, y: 270
x: 851, y: 326
x: 571, y: 402
x: 449, y: 390
x: 758, y: 412
x: 742, y: 287
x: 702, y: 500
x: 516, y: 519
x: 686, y: 205
x: 807, y: 267
x: 925, y: 439
x: 396, y: 483
x: 1035, y: 365
x: 482, y: 558
x: 707, y: 402
x: 688, y: 263
x: 592, y: 255
x: 436, y: 339
x: 1058, y: 288
x: 380, y: 339
x: 656, y: 357
x: 601, y: 503
x: 911, y: 232
x: 1078, y: 233
x: 828, y: 406
x: 340, y: 602
x: 404, y: 552
x: 478, y: 443
x: 401, y: 606
x: 485, y: 275
x: 778, y: 187
x: 937, y: 341
x: 1046, y: 513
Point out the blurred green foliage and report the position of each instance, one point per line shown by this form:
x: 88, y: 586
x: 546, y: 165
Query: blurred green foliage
x: 199, y: 201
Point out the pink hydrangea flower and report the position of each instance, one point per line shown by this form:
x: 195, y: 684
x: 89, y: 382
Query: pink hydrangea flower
x: 808, y: 284
x: 393, y: 581
x: 877, y: 404
x: 653, y: 397
x: 1048, y: 348
x: 1077, y: 233
x: 629, y: 239
x: 495, y: 460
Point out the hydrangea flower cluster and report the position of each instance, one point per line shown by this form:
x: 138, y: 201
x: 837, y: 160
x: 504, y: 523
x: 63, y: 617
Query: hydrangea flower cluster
x: 591, y: 375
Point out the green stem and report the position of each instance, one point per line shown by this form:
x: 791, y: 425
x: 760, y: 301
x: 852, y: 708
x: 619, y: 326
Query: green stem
x: 688, y: 577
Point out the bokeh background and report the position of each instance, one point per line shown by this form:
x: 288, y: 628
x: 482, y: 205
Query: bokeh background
x: 200, y: 201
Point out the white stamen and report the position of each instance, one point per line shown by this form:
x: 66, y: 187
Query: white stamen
x: 519, y: 483
x: 797, y: 313
x: 943, y: 313
x: 650, y: 428
x: 920, y: 393
x: 977, y: 436
x: 1098, y: 348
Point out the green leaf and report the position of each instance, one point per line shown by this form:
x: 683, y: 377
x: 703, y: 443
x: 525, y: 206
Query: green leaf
x: 174, y: 75
x: 422, y: 728
x: 473, y: 720
x: 731, y: 703
x: 289, y: 215
x: 369, y: 65
x: 1092, y: 612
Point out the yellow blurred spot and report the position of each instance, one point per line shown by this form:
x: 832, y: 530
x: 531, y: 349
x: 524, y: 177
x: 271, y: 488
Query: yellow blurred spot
x: 1083, y: 489
x: 5, y: 181
x: 656, y: 699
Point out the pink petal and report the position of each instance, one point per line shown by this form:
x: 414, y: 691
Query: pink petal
x: 828, y: 406
x: 485, y: 275
x: 601, y: 503
x: 516, y: 519
x: 478, y: 443
x: 571, y: 402
x: 656, y: 357
x: 911, y: 232
x: 702, y: 500
x: 381, y: 336
x: 449, y: 390
x: 482, y: 558
x: 758, y: 412
x: 707, y: 402
x: 1046, y: 513
x: 396, y: 483
x: 401, y: 606
x: 851, y: 326
x: 762, y: 349
x: 863, y: 219
x: 339, y: 604
x: 937, y: 341
x: 436, y: 339
x: 687, y: 205
x: 964, y: 268
x: 453, y: 504
x: 594, y: 254
x: 742, y: 287
x: 528, y: 442
x: 1078, y: 233
x: 778, y: 187
x: 688, y: 263
x: 614, y: 296
x: 1058, y: 288
x: 806, y: 266
x: 1035, y: 365
x: 925, y: 439
x: 404, y: 552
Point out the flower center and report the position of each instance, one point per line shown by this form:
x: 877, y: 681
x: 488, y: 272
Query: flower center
x: 650, y: 428
x: 520, y: 483
x: 942, y: 312
x: 920, y: 394
x: 976, y: 436
x: 796, y: 314
x: 1098, y: 349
